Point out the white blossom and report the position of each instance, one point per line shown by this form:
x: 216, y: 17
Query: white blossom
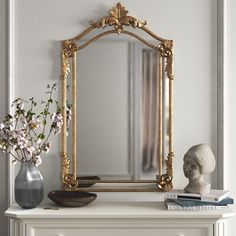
x: 37, y: 160
x: 57, y: 122
x: 46, y: 147
x: 35, y: 123
x: 22, y: 142
x: 2, y: 126
x: 29, y: 151
x: 25, y: 135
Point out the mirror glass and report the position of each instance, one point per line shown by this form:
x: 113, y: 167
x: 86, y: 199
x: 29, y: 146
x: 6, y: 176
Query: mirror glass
x: 118, y: 85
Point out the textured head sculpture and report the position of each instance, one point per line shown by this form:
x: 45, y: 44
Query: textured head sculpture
x: 198, y: 161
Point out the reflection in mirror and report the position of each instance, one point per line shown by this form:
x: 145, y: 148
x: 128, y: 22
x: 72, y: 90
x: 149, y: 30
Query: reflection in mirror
x: 103, y: 110
x: 121, y: 103
x: 151, y: 149
x: 122, y: 130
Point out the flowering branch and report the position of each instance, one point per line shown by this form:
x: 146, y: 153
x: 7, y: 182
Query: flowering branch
x: 23, y: 135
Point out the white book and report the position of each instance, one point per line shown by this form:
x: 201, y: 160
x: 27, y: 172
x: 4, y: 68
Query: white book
x: 172, y: 206
x: 215, y: 195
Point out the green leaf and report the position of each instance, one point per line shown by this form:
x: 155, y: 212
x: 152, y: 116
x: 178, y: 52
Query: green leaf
x: 41, y: 136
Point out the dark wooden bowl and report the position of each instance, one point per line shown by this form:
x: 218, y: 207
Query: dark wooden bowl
x: 71, y: 198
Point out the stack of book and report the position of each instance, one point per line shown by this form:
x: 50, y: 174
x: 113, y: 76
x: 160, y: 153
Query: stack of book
x: 179, y: 200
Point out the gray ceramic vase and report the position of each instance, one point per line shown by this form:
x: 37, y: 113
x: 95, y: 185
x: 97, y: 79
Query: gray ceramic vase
x: 29, y: 188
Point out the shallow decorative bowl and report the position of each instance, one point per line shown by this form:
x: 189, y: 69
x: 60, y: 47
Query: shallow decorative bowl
x: 71, y: 198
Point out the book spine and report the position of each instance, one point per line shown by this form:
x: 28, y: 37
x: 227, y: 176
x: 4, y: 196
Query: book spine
x: 177, y: 196
x: 171, y: 196
x: 189, y: 203
x: 210, y: 199
x: 194, y: 208
x: 193, y: 197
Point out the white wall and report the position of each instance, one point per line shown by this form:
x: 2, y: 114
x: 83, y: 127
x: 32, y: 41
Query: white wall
x: 37, y: 59
x: 230, y: 114
x: 3, y: 110
x: 40, y: 25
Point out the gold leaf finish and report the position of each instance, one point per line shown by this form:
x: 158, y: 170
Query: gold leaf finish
x: 68, y: 179
x: 65, y: 67
x: 69, y: 48
x: 65, y: 166
x: 165, y: 181
x: 166, y: 51
x: 118, y: 18
x: 68, y: 51
x: 70, y: 182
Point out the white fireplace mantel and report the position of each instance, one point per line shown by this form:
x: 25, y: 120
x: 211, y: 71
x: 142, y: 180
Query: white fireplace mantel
x: 115, y: 218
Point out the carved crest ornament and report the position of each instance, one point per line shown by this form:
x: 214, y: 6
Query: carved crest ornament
x: 118, y: 18
x: 118, y: 21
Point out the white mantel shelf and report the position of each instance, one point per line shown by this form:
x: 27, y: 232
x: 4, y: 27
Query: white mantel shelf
x: 116, y: 209
x: 117, y: 214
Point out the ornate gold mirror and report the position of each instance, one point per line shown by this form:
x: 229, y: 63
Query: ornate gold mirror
x: 121, y: 132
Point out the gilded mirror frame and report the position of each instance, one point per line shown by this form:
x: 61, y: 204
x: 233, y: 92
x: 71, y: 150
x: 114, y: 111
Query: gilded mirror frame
x: 121, y: 21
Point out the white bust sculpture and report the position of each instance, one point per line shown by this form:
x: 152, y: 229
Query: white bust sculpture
x: 198, y: 161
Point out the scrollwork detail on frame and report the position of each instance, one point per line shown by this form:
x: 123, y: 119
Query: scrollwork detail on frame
x: 118, y: 18
x: 69, y: 48
x: 65, y: 166
x: 165, y: 184
x: 68, y: 51
x: 169, y: 165
x: 70, y: 182
x: 165, y: 181
x: 67, y: 179
x: 166, y: 51
x: 65, y: 66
